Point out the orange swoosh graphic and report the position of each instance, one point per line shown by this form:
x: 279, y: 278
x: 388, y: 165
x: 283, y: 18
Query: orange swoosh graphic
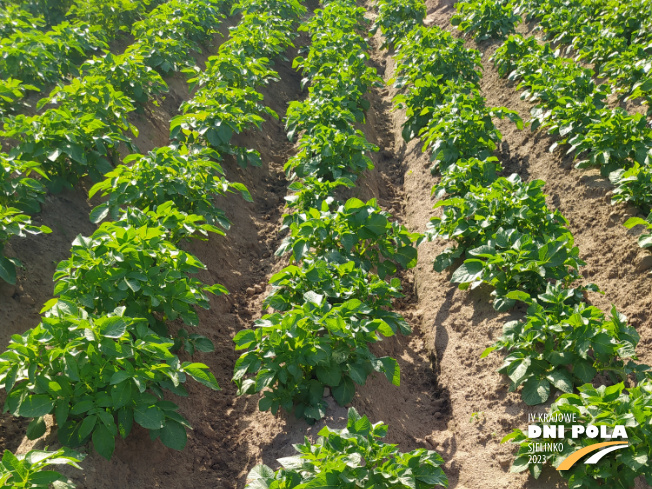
x: 575, y: 456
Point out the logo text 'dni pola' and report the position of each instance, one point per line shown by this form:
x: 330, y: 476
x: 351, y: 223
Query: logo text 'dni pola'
x: 555, y: 431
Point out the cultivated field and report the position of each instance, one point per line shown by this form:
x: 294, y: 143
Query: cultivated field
x: 227, y: 225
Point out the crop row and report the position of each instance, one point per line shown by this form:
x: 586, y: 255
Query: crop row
x: 569, y: 103
x: 102, y: 356
x: 613, y: 37
x: 84, y: 131
x: 33, y: 57
x: 50, y: 12
x: 330, y: 304
x: 225, y: 103
x: 506, y: 237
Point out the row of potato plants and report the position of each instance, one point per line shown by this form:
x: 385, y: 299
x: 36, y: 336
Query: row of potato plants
x: 225, y: 102
x: 569, y: 103
x: 506, y: 236
x: 325, y: 316
x: 103, y: 356
x: 83, y: 133
x: 611, y: 36
x: 55, y: 11
x: 614, y: 37
x: 332, y: 301
x: 34, y: 57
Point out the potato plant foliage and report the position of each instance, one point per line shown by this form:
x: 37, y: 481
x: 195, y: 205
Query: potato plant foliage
x: 563, y: 343
x: 330, y: 310
x: 572, y: 107
x: 190, y: 178
x: 505, y: 234
x: 28, y: 471
x: 353, y: 457
x: 331, y: 303
x: 508, y: 238
x: 486, y: 19
x: 102, y: 357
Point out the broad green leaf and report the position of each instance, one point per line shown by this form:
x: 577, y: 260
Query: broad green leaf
x: 536, y: 391
x: 344, y: 392
x: 7, y: 270
x: 150, y: 417
x: 201, y: 374
x: 469, y: 271
x: 392, y: 370
x: 173, y: 435
x: 35, y: 405
x: 562, y: 380
x: 112, y: 327
x: 103, y: 441
x: 329, y: 375
x: 36, y: 428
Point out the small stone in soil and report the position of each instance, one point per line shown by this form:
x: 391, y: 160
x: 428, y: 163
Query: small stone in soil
x: 27, y: 299
x: 644, y: 263
x: 7, y: 290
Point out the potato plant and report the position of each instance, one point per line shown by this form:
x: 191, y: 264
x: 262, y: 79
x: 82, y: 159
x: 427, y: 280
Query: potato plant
x: 13, y: 17
x: 128, y: 73
x: 215, y: 114
x: 135, y: 267
x: 28, y: 471
x: 611, y: 36
x: 645, y: 239
x: 97, y: 374
x: 292, y: 357
x: 356, y: 231
x: 508, y: 238
x: 397, y: 20
x: 173, y: 30
x: 563, y: 343
x: 486, y: 19
x: 355, y: 456
x: 191, y: 178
